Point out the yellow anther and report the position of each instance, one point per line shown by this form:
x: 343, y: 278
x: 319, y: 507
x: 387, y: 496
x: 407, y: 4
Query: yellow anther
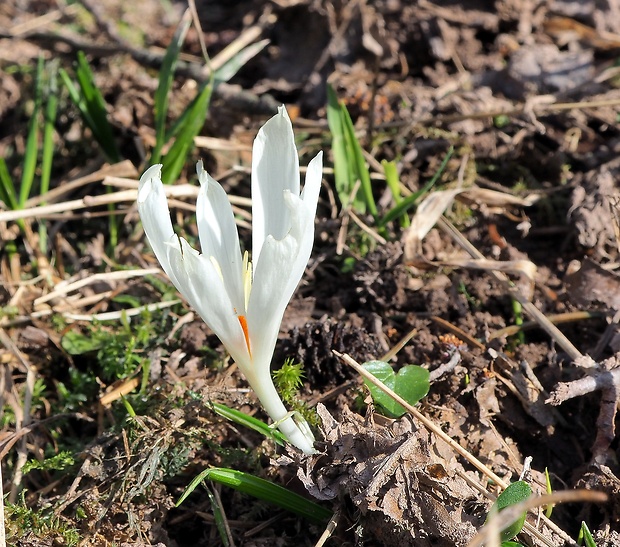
x: 217, y: 267
x: 247, y: 278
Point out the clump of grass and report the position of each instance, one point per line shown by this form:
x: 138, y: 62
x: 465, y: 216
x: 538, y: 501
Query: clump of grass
x: 118, y: 351
x: 352, y: 176
x: 23, y: 522
x: 288, y: 381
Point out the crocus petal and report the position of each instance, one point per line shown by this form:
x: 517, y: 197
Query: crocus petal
x: 312, y: 186
x: 269, y: 298
x: 214, y: 282
x: 281, y: 266
x: 302, y: 221
x: 155, y: 215
x: 275, y: 168
x: 218, y: 235
x: 198, y: 280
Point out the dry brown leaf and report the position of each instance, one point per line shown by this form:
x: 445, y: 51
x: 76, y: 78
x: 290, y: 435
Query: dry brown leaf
x: 409, y: 494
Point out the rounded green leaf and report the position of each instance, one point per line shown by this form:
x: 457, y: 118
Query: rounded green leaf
x: 411, y: 383
x: 515, y: 493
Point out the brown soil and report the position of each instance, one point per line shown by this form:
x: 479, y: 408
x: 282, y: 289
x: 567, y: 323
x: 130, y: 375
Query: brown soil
x: 526, y: 93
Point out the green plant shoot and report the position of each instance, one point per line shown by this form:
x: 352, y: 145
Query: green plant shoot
x: 349, y: 163
x: 515, y: 493
x: 411, y: 383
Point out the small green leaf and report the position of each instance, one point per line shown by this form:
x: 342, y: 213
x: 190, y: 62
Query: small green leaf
x: 411, y: 383
x: 515, y: 493
x: 407, y: 203
x: 585, y: 536
x: 75, y: 343
x: 349, y: 162
x: 549, y: 488
x: 393, y: 181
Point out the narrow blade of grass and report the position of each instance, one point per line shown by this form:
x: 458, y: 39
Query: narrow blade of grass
x: 410, y: 201
x: 220, y: 518
x: 237, y: 62
x: 76, y: 97
x: 585, y: 536
x: 49, y: 122
x: 7, y: 188
x: 32, y: 143
x: 92, y: 106
x: 248, y: 421
x: 393, y: 182
x: 261, y: 489
x: 51, y: 110
x: 345, y: 166
x: 361, y: 168
x: 193, y: 122
x: 166, y: 77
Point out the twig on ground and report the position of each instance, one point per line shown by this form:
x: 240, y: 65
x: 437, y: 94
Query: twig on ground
x: 603, y: 380
x: 606, y: 379
x: 444, y: 368
x: 556, y: 319
x: 65, y: 287
x: 329, y: 530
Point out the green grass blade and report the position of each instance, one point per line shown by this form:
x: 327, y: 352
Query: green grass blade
x: 344, y: 176
x: 549, y: 490
x: 76, y: 97
x: 93, y: 104
x: 166, y: 77
x: 220, y: 518
x: 585, y: 537
x: 238, y: 61
x: 7, y: 188
x: 407, y: 203
x: 51, y: 110
x: 32, y: 143
x: 47, y: 157
x: 193, y: 122
x: 359, y: 162
x: 250, y: 422
x: 185, y: 121
x: 261, y: 489
x: 393, y: 182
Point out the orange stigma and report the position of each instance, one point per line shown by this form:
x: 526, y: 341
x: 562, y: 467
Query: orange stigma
x: 244, y: 326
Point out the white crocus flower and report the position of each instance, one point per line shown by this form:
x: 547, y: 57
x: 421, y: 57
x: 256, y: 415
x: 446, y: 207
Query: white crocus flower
x: 241, y: 301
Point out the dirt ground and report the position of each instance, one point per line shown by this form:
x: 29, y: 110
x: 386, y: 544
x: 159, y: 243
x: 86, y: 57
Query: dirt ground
x: 511, y: 300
